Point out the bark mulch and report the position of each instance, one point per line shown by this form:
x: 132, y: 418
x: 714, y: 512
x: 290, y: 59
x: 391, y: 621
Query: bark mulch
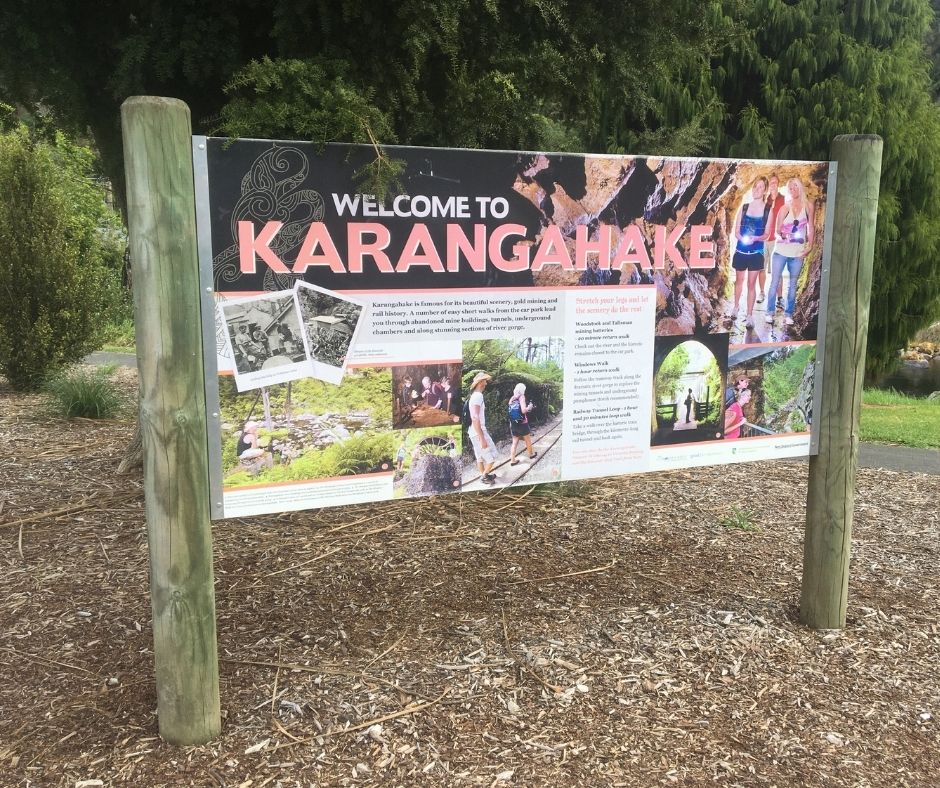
x: 630, y: 631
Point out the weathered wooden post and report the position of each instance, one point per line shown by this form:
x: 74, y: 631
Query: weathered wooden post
x: 830, y: 502
x: 162, y: 227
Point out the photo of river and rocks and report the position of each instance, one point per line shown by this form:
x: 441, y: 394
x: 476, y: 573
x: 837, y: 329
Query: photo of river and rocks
x: 307, y: 429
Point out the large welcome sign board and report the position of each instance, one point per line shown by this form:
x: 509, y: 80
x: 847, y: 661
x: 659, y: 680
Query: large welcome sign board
x: 499, y: 318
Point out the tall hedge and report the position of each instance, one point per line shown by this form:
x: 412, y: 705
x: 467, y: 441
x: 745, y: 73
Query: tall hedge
x: 57, y: 253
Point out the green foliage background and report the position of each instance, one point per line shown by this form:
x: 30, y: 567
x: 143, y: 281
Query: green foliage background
x: 667, y: 378
x: 782, y: 377
x: 765, y: 78
x: 800, y: 74
x: 411, y: 438
x: 499, y: 358
x: 366, y: 390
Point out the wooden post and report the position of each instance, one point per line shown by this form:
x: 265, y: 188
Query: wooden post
x: 830, y: 502
x: 162, y: 227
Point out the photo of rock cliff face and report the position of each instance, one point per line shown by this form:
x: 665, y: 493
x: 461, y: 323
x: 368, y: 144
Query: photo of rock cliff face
x: 573, y: 191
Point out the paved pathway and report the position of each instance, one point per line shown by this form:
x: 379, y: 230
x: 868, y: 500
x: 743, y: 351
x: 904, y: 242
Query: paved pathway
x: 102, y: 359
x: 899, y: 458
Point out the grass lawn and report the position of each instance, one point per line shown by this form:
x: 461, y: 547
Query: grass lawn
x: 118, y: 336
x: 888, y: 417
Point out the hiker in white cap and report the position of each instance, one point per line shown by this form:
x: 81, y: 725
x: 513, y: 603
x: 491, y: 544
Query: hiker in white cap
x: 483, y: 446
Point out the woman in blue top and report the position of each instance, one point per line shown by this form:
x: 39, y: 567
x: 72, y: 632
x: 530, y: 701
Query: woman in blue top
x: 751, y: 231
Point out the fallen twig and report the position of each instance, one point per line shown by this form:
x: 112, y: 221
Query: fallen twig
x: 514, y: 500
x: 567, y: 574
x: 356, y: 674
x: 33, y: 658
x: 367, y: 724
x: 305, y: 563
x: 94, y: 500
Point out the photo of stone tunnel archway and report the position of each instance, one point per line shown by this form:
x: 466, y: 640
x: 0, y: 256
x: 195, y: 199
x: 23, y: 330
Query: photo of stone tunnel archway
x: 773, y: 389
x: 688, y: 381
x: 426, y: 395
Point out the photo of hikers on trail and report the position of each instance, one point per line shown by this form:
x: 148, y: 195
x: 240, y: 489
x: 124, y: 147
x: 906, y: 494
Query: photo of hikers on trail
x: 426, y: 395
x: 769, y: 391
x: 307, y: 429
x: 687, y: 389
x: 427, y: 461
x: 512, y: 411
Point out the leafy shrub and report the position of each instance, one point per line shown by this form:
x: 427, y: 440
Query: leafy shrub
x: 358, y: 454
x: 739, y: 519
x: 368, y: 390
x: 783, y: 373
x: 59, y: 247
x: 85, y: 393
x: 363, y: 453
x: 118, y: 335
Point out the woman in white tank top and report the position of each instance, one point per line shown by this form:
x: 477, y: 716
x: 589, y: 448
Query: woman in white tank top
x: 795, y: 234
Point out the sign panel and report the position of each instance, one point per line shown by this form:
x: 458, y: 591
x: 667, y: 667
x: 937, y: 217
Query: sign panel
x: 499, y: 318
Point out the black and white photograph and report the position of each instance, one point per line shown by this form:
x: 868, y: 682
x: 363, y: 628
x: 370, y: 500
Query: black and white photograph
x: 330, y: 323
x: 265, y: 339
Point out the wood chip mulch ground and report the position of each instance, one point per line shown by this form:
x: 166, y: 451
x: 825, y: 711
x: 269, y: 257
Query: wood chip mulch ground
x: 611, y: 633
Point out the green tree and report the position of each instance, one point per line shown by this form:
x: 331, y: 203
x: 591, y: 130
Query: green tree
x: 57, y: 239
x: 669, y: 373
x: 808, y: 71
x: 505, y: 73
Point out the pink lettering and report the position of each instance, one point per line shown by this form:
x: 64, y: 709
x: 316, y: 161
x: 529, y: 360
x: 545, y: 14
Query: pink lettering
x: 552, y: 250
x: 521, y: 260
x: 318, y: 236
x: 358, y: 248
x: 458, y: 243
x: 702, y: 248
x: 631, y: 249
x: 250, y: 246
x: 419, y: 250
x: 583, y: 247
x: 665, y: 246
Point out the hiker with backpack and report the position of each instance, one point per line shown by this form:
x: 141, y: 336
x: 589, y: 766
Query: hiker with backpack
x: 519, y: 423
x: 484, y: 449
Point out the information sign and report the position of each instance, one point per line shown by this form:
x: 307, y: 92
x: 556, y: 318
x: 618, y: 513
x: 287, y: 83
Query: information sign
x: 499, y: 318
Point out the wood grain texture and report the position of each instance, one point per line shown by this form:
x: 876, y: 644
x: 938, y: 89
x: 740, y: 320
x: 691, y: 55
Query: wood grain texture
x: 162, y: 230
x: 830, y: 500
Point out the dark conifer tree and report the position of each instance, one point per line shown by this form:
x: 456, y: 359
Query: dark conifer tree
x: 808, y: 71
